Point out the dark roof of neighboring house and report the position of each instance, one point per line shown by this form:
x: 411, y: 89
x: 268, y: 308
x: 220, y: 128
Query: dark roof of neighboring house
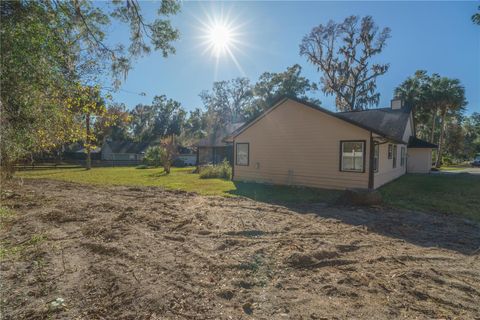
x: 126, y: 146
x: 216, y: 138
x: 390, y: 122
x: 385, y: 122
x: 419, y: 143
x: 94, y: 150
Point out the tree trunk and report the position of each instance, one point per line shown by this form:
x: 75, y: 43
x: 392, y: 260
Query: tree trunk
x: 432, y: 133
x: 87, y: 143
x: 438, y: 163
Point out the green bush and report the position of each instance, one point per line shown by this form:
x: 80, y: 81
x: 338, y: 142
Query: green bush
x: 221, y: 171
x: 153, y: 156
x: 142, y: 166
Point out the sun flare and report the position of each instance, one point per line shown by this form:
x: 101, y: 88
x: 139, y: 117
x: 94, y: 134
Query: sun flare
x: 222, y: 36
x: 220, y: 39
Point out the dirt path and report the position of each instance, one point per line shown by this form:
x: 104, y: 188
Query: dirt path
x: 145, y: 253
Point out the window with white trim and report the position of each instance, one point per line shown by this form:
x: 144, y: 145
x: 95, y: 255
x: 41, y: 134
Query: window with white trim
x: 402, y: 156
x: 242, y: 154
x: 352, y: 156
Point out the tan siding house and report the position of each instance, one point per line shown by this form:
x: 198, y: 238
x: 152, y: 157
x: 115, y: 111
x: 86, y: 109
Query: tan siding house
x: 386, y: 170
x: 419, y: 157
x: 297, y: 143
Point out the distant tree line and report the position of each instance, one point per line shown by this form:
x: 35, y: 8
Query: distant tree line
x: 231, y: 101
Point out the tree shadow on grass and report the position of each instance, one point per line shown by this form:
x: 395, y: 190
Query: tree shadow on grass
x: 158, y: 174
x: 419, y: 228
x: 47, y: 172
x: 42, y: 168
x: 276, y: 194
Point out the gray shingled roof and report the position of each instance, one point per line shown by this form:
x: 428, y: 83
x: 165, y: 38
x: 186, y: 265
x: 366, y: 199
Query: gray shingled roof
x: 419, y: 143
x: 391, y: 123
x: 127, y: 146
x: 216, y: 138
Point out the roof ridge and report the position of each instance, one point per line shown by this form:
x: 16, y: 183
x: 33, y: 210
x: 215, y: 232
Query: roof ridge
x: 374, y: 109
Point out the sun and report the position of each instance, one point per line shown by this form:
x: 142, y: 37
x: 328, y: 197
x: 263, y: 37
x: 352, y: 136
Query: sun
x: 222, y: 36
x: 220, y: 39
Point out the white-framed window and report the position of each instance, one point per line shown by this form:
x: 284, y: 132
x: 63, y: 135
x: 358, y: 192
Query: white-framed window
x: 394, y: 156
x: 352, y: 156
x: 402, y: 156
x: 375, y: 157
x: 242, y: 154
x: 390, y: 151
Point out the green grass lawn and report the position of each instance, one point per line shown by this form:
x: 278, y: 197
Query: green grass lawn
x: 454, y: 167
x: 182, y: 179
x: 446, y: 193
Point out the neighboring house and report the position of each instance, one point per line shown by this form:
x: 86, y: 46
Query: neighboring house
x: 187, y: 156
x: 123, y: 150
x: 188, y: 159
x: 298, y: 143
x: 76, y: 151
x: 213, y: 150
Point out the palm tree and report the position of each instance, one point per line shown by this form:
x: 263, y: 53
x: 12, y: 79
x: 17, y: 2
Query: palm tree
x: 476, y: 17
x: 452, y: 101
x: 413, y: 92
x: 434, y: 91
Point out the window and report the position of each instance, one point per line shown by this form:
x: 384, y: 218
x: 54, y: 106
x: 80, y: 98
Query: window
x: 242, y: 150
x: 375, y: 158
x: 402, y: 156
x: 352, y: 156
x: 390, y: 151
x: 395, y: 156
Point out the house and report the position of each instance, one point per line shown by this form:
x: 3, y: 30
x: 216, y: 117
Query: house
x: 76, y: 151
x: 123, y: 150
x: 298, y: 143
x: 213, y: 149
x: 186, y: 156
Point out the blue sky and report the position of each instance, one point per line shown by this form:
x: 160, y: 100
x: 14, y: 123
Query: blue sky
x: 435, y: 36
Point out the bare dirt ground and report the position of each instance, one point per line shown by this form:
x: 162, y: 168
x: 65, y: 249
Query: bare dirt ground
x: 145, y: 253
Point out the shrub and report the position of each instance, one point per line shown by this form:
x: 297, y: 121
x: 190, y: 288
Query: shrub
x: 153, y: 156
x: 142, y: 166
x: 447, y: 160
x: 221, y: 171
x: 169, y: 152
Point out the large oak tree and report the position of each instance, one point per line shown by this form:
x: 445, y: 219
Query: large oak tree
x: 344, y: 53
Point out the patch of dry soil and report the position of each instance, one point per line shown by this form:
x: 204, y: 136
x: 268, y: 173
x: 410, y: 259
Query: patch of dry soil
x: 146, y: 253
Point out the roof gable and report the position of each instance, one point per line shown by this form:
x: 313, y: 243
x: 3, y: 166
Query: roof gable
x: 367, y: 125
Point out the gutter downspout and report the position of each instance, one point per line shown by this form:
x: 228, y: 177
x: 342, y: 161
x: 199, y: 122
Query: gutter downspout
x: 370, y: 167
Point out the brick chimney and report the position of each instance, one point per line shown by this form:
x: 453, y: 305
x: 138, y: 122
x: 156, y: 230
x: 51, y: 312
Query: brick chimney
x: 396, y: 104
